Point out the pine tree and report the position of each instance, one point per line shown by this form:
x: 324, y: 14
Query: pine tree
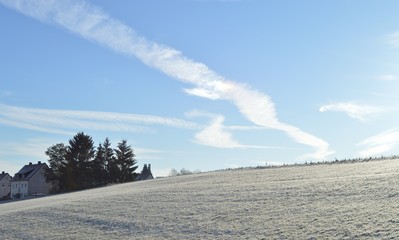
x: 99, y: 167
x: 112, y: 167
x: 79, y: 156
x: 109, y: 159
x: 104, y: 166
x: 125, y: 161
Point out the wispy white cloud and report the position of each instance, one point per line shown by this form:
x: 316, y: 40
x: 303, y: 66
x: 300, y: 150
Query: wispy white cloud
x: 380, y: 143
x: 67, y: 121
x: 93, y: 24
x: 393, y: 39
x: 21, y: 124
x: 6, y: 93
x: 215, y: 135
x: 245, y: 128
x: 9, y: 167
x: 15, y: 154
x: 33, y: 148
x: 385, y: 95
x: 201, y: 92
x: 353, y: 110
x: 387, y: 77
x: 148, y: 153
x: 322, y: 148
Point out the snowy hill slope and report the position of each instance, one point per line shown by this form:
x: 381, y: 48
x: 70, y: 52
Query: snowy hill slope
x: 341, y: 201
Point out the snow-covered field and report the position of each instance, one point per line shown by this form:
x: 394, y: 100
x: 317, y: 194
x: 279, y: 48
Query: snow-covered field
x: 341, y: 201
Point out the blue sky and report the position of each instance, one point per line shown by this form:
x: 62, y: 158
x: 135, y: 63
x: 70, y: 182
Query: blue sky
x: 201, y: 84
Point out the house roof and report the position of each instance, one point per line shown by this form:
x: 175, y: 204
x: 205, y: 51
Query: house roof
x: 3, y: 174
x: 144, y: 176
x: 27, y: 171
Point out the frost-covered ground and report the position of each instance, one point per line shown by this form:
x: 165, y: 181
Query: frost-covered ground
x: 342, y: 201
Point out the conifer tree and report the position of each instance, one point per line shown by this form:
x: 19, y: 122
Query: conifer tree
x: 112, y: 167
x: 79, y: 156
x: 99, y: 167
x: 125, y: 161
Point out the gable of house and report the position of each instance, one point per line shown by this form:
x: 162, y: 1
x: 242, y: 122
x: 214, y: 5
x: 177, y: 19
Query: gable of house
x: 5, y: 184
x: 5, y: 177
x: 38, y: 183
x: 28, y: 171
x: 30, y: 180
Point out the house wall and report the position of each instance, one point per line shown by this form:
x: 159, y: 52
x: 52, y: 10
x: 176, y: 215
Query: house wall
x: 19, y: 188
x: 5, y: 186
x: 38, y: 184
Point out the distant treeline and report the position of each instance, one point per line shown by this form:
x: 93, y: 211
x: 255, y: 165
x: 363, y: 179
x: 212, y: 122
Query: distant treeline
x: 336, y: 161
x: 79, y: 165
x: 182, y: 172
x: 347, y: 160
x: 185, y: 171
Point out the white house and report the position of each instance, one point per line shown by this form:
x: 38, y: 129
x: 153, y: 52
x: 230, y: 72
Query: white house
x: 30, y: 180
x: 5, y: 185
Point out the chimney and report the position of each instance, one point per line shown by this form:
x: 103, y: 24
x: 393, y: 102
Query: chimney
x: 149, y: 167
x: 30, y: 163
x: 2, y: 172
x: 39, y: 162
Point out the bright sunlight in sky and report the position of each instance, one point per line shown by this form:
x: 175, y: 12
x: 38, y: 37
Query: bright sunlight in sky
x: 200, y: 84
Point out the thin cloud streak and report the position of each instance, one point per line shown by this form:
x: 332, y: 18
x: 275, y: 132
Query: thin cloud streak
x: 380, y: 143
x: 33, y: 148
x: 59, y: 121
x: 93, y: 24
x: 387, y: 77
x: 353, y: 110
x: 10, y: 168
x: 29, y: 150
x: 18, y: 124
x: 393, y: 39
x: 384, y: 95
x: 6, y: 94
x: 148, y: 154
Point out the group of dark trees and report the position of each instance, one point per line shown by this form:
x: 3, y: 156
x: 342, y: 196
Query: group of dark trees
x: 80, y: 165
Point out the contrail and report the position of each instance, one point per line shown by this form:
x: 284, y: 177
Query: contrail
x: 92, y: 23
x: 58, y: 121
